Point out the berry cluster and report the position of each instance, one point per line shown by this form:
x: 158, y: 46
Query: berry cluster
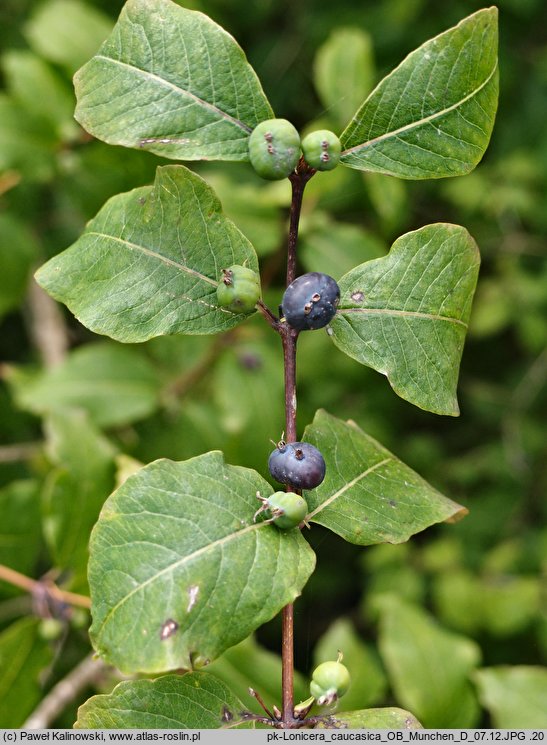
x: 274, y: 149
x: 309, y: 302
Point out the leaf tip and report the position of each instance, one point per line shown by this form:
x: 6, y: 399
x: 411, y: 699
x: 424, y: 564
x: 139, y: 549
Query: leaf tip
x: 458, y: 515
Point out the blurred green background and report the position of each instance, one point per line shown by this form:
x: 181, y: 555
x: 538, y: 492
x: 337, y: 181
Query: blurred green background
x: 453, y: 625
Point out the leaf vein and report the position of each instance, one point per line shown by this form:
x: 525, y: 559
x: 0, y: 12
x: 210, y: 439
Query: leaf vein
x: 347, y: 486
x: 196, y: 99
x: 432, y: 117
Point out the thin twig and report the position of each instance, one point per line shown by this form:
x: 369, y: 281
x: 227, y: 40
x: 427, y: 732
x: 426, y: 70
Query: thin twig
x: 181, y: 386
x: 260, y: 700
x: 268, y: 315
x: 88, y: 672
x: 35, y: 586
x: 47, y: 326
x: 19, y: 451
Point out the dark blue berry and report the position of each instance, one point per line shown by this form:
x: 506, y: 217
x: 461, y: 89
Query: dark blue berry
x: 298, y: 464
x: 310, y: 301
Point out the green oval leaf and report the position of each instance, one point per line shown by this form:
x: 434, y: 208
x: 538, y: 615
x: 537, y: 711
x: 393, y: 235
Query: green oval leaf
x: 369, y: 496
x: 388, y: 718
x: 343, y: 71
x: 179, y: 571
x: 18, y: 252
x: 66, y: 32
x: 167, y: 73
x: 75, y: 490
x: 514, y: 696
x: 191, y: 701
x: 21, y: 531
x: 149, y: 262
x: 433, y: 115
x: 406, y: 314
x: 24, y: 656
x: 429, y: 667
x: 368, y: 680
x: 115, y: 385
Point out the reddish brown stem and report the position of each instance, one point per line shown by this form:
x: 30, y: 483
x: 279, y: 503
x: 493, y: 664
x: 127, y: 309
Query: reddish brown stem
x: 289, y: 338
x: 287, y: 674
x: 298, y: 180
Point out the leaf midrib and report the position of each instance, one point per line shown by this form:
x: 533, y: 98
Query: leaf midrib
x: 347, y: 486
x: 402, y: 313
x: 154, y: 255
x: 167, y: 83
x: 413, y: 125
x: 177, y: 564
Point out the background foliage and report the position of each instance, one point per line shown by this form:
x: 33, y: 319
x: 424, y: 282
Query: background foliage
x: 77, y: 411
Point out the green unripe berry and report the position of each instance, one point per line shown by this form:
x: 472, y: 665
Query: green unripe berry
x: 287, y: 509
x: 50, y: 629
x: 238, y: 289
x: 79, y: 618
x: 322, y: 150
x: 330, y: 680
x: 274, y: 148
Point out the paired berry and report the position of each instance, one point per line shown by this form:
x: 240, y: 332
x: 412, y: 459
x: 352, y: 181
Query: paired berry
x: 330, y: 680
x: 322, y: 150
x: 287, y: 509
x: 310, y: 301
x: 238, y: 289
x: 297, y: 464
x: 274, y: 148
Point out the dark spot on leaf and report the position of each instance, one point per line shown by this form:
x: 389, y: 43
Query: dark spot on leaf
x: 357, y: 296
x: 141, y: 200
x: 227, y: 715
x: 168, y: 629
x: 392, y: 503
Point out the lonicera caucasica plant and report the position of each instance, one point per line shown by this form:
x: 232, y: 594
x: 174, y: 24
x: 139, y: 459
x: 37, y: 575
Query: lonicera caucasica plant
x: 189, y: 558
